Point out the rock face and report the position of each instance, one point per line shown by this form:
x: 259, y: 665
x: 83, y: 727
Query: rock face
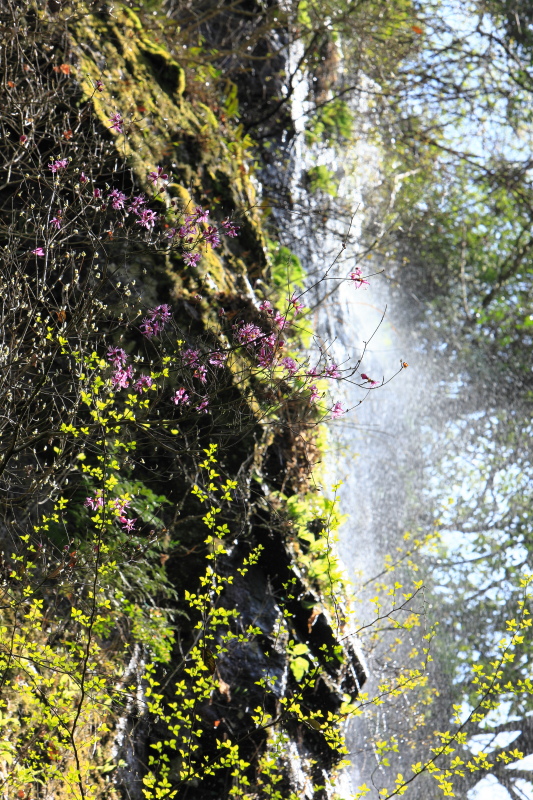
x: 117, y: 67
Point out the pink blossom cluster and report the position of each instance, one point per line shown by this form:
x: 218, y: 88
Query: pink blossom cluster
x: 357, y: 277
x: 60, y: 163
x: 256, y: 341
x: 156, y: 320
x: 191, y: 233
x: 280, y: 320
x: 123, y: 374
x: 368, y: 380
x: 181, y: 398
x: 118, y: 505
x: 158, y: 175
x: 94, y: 503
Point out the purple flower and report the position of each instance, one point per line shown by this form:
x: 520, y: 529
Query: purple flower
x: 147, y: 218
x: 117, y: 356
x: 218, y: 359
x: 191, y: 259
x: 266, y: 305
x: 118, y: 199
x: 230, y: 229
x: 144, y: 382
x: 23, y: 139
x: 149, y: 328
x: 95, y: 502
x: 190, y: 357
x: 211, y: 236
x: 248, y: 334
x: 127, y: 524
x: 120, y: 505
x: 357, y: 278
x: 201, y: 373
x: 187, y: 232
x: 290, y: 365
x: 157, y: 176
x: 97, y: 193
x: 171, y: 233
x: 265, y: 357
x: 313, y: 372
x: 61, y: 163
x: 201, y: 214
x: 314, y: 393
x: 368, y: 380
x: 156, y: 320
x: 295, y: 304
x: 337, y: 410
x: 181, y: 398
x: 99, y: 86
x: 116, y: 122
x: 57, y: 220
x: 281, y: 320
x: 82, y: 177
x: 332, y: 372
x: 203, y: 406
x: 38, y: 251
x: 136, y: 204
x: 121, y: 378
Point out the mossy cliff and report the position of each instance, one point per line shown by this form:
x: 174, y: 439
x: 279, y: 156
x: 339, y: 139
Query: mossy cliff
x: 219, y: 670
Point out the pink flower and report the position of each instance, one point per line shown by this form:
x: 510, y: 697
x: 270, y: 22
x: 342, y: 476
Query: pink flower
x: 218, y: 359
x: 99, y: 86
x: 337, y: 410
x: 144, y: 382
x: 290, y: 365
x: 281, y: 320
x: 118, y: 199
x: 313, y: 372
x: 95, y: 502
x: 368, y: 380
x: 57, y: 220
x: 127, y: 524
x: 38, y: 251
x: 161, y: 313
x: 121, y: 378
x: 190, y: 357
x: 97, y: 193
x: 120, y: 505
x: 357, y: 279
x: 147, y: 218
x: 117, y: 356
x: 116, y: 122
x: 191, y: 259
x: 332, y: 372
x: 157, y: 176
x: 23, y: 139
x: 201, y: 214
x: 201, y: 373
x: 230, y: 229
x: 181, y: 398
x: 202, y: 408
x: 149, y: 328
x: 314, y: 393
x: 248, y: 334
x: 136, y: 204
x: 211, y: 236
x: 61, y: 163
x: 266, y: 305
x: 295, y: 304
x: 187, y: 232
x: 82, y: 177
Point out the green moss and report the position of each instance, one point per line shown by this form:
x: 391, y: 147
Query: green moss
x: 165, y: 125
